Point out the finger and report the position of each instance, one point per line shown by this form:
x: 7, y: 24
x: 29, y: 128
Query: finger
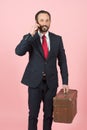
x: 67, y: 90
x: 36, y: 28
x: 37, y: 25
x: 64, y: 90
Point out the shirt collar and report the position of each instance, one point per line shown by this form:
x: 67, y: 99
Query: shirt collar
x: 46, y: 34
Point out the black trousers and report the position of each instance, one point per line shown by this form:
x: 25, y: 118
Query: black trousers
x: 35, y: 96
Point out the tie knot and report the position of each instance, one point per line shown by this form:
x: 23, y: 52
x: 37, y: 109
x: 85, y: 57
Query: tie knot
x: 43, y: 37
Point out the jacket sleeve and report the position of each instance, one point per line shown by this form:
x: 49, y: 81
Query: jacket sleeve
x: 62, y: 62
x: 24, y: 46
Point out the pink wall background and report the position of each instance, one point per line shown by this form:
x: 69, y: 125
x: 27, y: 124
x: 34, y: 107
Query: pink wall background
x: 69, y: 19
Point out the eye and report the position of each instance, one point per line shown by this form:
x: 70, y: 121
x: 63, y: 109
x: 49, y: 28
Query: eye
x: 41, y: 20
x: 47, y: 20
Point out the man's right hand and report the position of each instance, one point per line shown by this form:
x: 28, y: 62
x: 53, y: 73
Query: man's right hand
x: 34, y: 29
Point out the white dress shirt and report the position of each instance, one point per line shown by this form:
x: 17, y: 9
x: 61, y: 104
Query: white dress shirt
x: 47, y: 38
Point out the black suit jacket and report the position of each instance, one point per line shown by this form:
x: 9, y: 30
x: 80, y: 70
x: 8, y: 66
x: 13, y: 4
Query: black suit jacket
x: 37, y: 64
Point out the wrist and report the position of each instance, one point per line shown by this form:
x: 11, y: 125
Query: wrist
x: 32, y: 34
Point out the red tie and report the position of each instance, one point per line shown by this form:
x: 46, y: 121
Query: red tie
x: 44, y: 46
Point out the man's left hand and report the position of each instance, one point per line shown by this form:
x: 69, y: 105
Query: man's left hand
x: 65, y: 88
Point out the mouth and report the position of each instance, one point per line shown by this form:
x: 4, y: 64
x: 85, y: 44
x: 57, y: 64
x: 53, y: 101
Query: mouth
x: 44, y: 28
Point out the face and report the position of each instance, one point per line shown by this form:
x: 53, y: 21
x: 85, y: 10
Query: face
x: 44, y: 22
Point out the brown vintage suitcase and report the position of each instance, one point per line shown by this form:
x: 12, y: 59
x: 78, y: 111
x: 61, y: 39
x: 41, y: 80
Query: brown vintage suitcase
x: 65, y: 106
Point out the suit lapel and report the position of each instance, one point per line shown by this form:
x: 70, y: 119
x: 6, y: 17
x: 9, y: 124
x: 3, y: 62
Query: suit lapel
x: 38, y: 46
x: 51, y: 45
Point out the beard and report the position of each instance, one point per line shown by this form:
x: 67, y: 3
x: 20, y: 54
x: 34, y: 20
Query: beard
x: 43, y: 28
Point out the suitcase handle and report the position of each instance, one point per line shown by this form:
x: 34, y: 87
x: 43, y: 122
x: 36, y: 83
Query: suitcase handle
x: 65, y: 93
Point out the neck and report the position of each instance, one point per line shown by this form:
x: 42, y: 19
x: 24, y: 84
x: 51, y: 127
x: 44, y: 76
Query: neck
x: 43, y: 33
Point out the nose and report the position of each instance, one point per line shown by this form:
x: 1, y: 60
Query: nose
x: 44, y: 22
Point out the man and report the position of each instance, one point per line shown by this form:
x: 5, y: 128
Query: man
x: 44, y: 48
